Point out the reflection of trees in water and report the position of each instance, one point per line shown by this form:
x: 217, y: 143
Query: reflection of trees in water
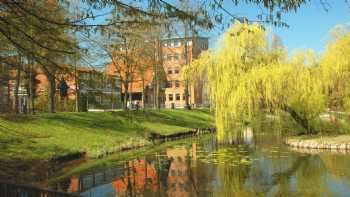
x: 232, y: 181
x: 337, y: 165
x: 231, y: 178
x: 301, y: 176
x: 294, y: 175
x: 140, y: 177
x: 186, y: 176
x: 177, y: 172
x: 310, y: 177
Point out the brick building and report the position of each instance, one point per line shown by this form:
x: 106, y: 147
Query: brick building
x: 178, y: 52
x: 139, y: 82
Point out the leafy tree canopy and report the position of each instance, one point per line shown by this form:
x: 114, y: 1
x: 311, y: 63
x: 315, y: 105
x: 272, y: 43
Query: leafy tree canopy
x: 247, y: 77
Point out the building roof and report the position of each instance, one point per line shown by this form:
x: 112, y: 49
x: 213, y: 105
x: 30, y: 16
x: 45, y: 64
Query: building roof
x: 184, y: 38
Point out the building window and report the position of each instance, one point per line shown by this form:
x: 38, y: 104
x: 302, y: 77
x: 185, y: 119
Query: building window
x: 176, y: 56
x: 183, y: 97
x: 177, y: 97
x: 170, y: 97
x: 177, y: 83
x: 176, y: 71
x: 177, y: 43
x: 169, y: 84
x: 170, y: 71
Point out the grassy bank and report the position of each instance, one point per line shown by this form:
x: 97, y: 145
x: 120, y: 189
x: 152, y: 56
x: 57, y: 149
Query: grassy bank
x: 48, y: 135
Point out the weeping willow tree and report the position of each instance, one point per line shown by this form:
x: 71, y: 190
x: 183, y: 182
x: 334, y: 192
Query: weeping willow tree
x: 247, y: 77
x: 335, y: 68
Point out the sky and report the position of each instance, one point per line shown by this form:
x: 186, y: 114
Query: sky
x: 309, y: 26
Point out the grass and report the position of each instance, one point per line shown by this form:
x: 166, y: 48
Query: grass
x: 47, y: 135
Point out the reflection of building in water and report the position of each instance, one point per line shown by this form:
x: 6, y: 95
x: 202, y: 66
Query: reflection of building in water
x: 74, y: 185
x: 138, y: 176
x: 135, y: 177
x: 177, y: 173
x: 179, y: 180
x: 194, y: 152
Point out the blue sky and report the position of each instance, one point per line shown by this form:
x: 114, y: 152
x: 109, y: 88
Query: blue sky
x: 309, y: 26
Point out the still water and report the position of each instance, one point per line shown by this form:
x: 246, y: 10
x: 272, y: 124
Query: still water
x: 256, y: 165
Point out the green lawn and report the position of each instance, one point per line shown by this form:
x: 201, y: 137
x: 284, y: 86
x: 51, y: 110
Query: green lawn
x: 47, y: 135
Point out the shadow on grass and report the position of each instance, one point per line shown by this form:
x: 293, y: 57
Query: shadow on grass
x: 18, y: 118
x: 28, y: 170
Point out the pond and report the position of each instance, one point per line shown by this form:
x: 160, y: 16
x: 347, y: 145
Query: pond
x: 254, y: 165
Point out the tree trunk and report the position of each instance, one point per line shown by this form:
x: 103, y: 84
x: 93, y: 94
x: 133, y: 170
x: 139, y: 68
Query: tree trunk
x: 77, y: 94
x: 155, y: 79
x: 18, y: 81
x: 300, y: 120
x: 9, y: 102
x: 158, y: 67
x: 112, y: 93
x: 130, y: 92
x: 158, y: 94
x: 187, y: 96
x: 155, y: 71
x: 52, y: 93
x: 143, y: 93
x: 31, y: 109
x: 126, y: 87
x: 121, y: 92
x: 154, y: 94
x: 186, y: 91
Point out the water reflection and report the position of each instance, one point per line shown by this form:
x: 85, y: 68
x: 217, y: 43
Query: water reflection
x: 261, y: 167
x: 248, y: 135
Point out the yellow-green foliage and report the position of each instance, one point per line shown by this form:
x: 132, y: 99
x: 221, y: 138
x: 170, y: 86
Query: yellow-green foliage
x: 245, y: 77
x: 335, y: 67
